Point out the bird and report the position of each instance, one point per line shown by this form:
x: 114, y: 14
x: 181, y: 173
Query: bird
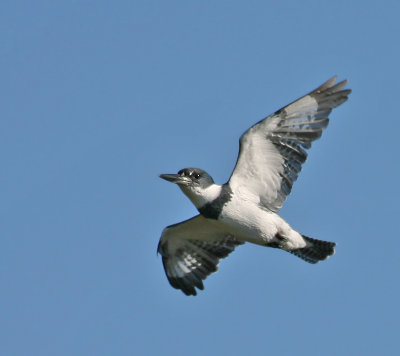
x: 245, y: 208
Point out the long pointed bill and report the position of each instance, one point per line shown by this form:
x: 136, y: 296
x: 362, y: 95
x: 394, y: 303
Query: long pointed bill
x: 176, y: 178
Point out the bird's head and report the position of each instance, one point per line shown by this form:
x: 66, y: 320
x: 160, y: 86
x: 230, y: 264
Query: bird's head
x: 196, y: 183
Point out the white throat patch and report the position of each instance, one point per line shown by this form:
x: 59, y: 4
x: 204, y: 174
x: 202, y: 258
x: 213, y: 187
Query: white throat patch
x: 201, y: 196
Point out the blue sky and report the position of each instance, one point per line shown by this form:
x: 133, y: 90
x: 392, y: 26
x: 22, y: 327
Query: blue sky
x: 98, y: 98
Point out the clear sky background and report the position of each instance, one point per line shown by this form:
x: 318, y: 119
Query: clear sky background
x: 99, y: 97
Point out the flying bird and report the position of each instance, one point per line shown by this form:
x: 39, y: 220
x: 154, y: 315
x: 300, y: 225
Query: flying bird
x: 244, y: 209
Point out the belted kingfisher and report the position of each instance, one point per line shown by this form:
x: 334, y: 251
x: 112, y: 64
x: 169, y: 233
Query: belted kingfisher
x: 245, y: 208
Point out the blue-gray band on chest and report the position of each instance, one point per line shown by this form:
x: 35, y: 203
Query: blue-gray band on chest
x: 213, y: 210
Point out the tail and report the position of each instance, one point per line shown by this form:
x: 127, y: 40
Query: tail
x: 315, y: 251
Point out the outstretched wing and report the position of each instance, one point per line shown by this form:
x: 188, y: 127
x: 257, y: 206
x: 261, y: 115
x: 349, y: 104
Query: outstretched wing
x: 191, y: 251
x: 273, y: 150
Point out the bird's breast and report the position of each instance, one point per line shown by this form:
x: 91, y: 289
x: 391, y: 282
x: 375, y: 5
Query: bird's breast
x: 250, y: 222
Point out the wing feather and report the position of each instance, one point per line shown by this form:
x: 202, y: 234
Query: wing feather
x: 191, y: 251
x: 273, y: 150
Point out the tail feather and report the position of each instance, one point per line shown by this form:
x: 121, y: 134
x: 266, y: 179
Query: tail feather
x: 315, y: 251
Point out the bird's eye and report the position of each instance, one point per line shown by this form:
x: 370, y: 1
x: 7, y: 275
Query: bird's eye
x: 196, y: 175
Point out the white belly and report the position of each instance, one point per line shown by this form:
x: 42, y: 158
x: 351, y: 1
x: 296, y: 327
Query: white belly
x: 251, y: 223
